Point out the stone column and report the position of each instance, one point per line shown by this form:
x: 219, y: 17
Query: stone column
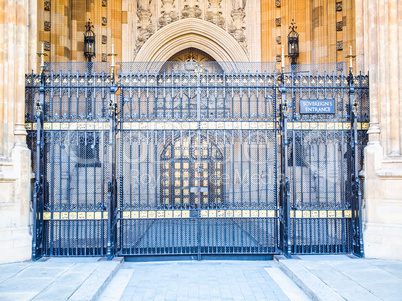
x: 15, y: 160
x: 383, y: 161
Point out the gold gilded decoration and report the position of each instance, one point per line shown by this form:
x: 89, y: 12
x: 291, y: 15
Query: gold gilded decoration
x: 47, y: 215
x: 262, y: 213
x: 346, y: 126
x: 98, y: 215
x: 34, y: 126
x: 292, y: 214
x: 185, y: 213
x: 105, y: 215
x: 298, y: 213
x: 347, y: 213
x: 73, y: 215
x: 81, y: 126
x: 204, y: 125
x: 221, y: 213
x: 169, y: 214
x: 323, y: 213
x: 56, y: 215
x: 160, y: 214
x: 314, y: 213
x: 254, y: 213
x: 253, y: 125
x: 270, y: 125
x: 151, y: 214
x: 245, y: 125
x: 204, y: 213
x: 306, y: 214
x: 331, y: 213
x: 28, y: 126
x: 229, y: 213
x: 211, y: 125
x: 271, y: 213
x: 56, y: 126
x: 220, y: 125
x: 365, y: 126
x: 90, y: 215
x: 313, y: 125
x: 339, y: 213
x: 177, y: 214
x: 237, y: 213
x: 322, y: 126
x: 305, y: 126
x: 359, y: 126
x: 64, y: 215
x: 297, y: 125
x: 330, y: 126
x: 90, y: 126
x: 246, y: 213
x: 73, y: 126
x: 47, y: 126
x: 228, y: 125
x: 212, y: 213
x: 143, y: 214
x: 290, y: 125
x: 126, y: 214
x: 261, y: 126
x: 81, y: 215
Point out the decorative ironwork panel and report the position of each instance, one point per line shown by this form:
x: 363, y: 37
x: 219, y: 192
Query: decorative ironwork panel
x: 191, y: 159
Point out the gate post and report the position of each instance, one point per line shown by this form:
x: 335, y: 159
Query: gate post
x: 285, y: 185
x: 38, y: 193
x: 112, y: 187
x: 357, y: 239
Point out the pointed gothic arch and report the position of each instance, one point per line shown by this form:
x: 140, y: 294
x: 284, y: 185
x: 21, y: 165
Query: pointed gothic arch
x: 191, y: 33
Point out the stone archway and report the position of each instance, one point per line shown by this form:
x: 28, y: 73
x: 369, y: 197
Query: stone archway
x: 191, y: 33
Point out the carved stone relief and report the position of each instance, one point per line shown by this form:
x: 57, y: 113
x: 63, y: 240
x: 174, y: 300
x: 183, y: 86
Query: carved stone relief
x: 168, y: 13
x: 278, y: 39
x: 145, y: 26
x: 278, y: 3
x: 47, y: 25
x: 191, y: 9
x: 47, y: 6
x: 339, y: 45
x: 214, y: 13
x: 237, y: 28
x: 339, y: 26
x: 339, y: 6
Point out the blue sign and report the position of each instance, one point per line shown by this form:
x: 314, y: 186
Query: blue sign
x: 317, y: 106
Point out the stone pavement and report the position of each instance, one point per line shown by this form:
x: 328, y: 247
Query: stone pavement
x: 56, y: 279
x: 343, y: 277
x: 318, y: 277
x: 202, y: 280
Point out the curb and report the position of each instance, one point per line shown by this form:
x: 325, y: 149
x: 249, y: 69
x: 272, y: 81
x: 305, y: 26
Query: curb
x: 95, y: 284
x: 312, y: 286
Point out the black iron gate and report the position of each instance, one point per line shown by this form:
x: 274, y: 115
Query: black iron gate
x: 195, y: 163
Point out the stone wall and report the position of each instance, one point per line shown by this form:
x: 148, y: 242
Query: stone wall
x: 379, y: 31
x: 15, y: 160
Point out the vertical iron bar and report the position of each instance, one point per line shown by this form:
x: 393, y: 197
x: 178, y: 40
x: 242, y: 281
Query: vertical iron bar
x: 37, y: 237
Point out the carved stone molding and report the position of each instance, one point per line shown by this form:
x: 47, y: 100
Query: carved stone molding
x: 47, y: 25
x: 214, y: 13
x: 191, y: 9
x: 278, y: 3
x: 339, y: 45
x: 278, y: 58
x: 104, y: 57
x: 339, y: 26
x: 237, y: 28
x: 104, y: 2
x: 279, y: 39
x: 278, y: 21
x: 145, y: 27
x: 104, y: 21
x: 339, y: 6
x: 104, y: 39
x: 47, y: 5
x: 168, y: 13
x: 46, y: 45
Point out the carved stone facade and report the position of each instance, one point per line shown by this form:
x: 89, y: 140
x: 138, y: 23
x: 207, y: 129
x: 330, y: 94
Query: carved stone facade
x: 191, y: 9
x: 214, y: 13
x: 169, y: 14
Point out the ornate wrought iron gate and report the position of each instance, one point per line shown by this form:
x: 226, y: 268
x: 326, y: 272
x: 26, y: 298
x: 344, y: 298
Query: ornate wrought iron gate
x: 195, y: 163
